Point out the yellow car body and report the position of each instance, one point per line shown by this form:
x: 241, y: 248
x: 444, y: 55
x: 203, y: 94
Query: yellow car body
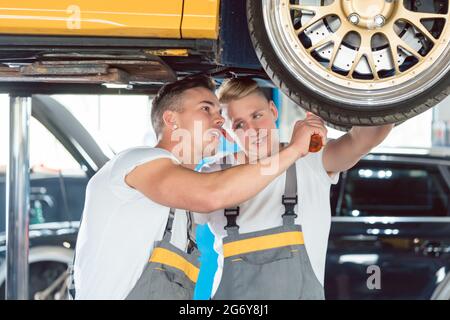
x: 171, y: 19
x: 403, y: 53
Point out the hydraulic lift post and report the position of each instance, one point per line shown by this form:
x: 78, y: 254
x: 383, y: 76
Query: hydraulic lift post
x: 17, y: 198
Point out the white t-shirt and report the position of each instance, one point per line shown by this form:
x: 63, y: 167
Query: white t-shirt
x: 119, y: 228
x: 264, y: 211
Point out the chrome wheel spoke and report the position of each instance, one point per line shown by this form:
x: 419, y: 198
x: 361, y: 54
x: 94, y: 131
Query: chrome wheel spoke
x: 320, y: 13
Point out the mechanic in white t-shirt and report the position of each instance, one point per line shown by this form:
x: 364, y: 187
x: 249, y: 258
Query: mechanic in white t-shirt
x: 250, y: 119
x: 128, y: 200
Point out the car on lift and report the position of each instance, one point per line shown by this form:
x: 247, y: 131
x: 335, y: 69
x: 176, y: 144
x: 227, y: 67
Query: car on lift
x: 351, y: 62
x: 377, y: 221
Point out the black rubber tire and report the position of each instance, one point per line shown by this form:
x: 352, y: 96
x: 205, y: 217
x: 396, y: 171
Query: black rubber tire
x: 337, y: 113
x: 338, y: 127
x: 41, y: 276
x: 347, y: 128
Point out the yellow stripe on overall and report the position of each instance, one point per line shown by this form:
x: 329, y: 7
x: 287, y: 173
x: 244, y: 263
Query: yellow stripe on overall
x: 170, y: 258
x: 271, y: 241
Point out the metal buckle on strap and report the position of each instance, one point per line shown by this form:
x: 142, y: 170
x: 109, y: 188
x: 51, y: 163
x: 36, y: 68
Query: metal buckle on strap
x: 191, y: 246
x: 231, y: 215
x: 289, y: 205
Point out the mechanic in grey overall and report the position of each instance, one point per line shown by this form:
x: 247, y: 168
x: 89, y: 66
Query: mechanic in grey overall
x: 274, y: 245
x: 171, y: 273
x: 254, y: 261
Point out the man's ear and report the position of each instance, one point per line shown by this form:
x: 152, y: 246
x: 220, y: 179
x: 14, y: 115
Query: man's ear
x: 273, y: 109
x: 169, y: 118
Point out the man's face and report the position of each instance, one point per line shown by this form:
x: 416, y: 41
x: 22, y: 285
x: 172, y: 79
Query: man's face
x: 252, y: 119
x: 201, y: 120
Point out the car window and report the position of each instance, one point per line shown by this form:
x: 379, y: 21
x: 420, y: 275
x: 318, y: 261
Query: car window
x: 393, y: 190
x: 58, y: 182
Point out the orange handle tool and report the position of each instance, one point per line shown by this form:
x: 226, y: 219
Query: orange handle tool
x: 316, y: 143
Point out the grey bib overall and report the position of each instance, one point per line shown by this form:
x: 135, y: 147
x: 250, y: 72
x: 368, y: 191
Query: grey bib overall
x: 171, y: 274
x: 269, y: 264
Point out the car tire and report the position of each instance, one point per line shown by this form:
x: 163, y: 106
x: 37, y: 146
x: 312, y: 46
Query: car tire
x: 46, y: 265
x: 348, y: 128
x: 353, y: 111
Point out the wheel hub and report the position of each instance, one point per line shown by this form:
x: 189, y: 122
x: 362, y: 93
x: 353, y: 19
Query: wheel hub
x: 368, y: 14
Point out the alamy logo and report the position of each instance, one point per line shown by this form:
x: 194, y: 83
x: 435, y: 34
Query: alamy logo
x: 74, y: 20
x: 374, y: 280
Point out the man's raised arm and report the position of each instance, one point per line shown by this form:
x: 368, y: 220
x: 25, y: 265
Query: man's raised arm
x: 175, y: 186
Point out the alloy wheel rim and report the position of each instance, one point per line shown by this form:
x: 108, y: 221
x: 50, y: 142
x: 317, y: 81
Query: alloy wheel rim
x: 378, y: 53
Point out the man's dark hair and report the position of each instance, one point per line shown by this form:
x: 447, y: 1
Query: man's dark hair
x: 169, y: 97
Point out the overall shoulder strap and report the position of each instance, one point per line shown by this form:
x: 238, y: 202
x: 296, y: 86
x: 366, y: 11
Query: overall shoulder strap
x: 231, y: 214
x: 191, y: 243
x: 168, y: 231
x: 290, y: 198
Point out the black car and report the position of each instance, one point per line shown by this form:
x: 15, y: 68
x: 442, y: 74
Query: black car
x: 391, y: 220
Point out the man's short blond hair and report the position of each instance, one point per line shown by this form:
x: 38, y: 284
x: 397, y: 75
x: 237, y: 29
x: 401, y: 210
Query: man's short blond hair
x: 238, y: 88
